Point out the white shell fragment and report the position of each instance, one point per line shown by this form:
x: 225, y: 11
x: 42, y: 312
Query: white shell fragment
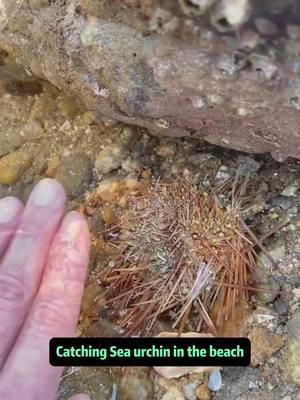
x: 177, y: 372
x: 230, y: 14
x: 215, y: 380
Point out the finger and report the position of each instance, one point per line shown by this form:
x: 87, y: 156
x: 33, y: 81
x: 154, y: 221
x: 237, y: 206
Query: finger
x: 10, y: 214
x: 80, y: 396
x: 22, y: 266
x: 54, y: 313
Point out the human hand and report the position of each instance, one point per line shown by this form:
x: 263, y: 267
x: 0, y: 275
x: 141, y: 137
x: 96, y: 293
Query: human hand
x: 43, y: 261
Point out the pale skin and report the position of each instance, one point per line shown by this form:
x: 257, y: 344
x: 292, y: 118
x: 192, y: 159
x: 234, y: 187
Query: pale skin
x: 43, y: 262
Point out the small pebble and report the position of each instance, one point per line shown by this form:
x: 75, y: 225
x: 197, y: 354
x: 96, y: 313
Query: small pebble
x: 215, y: 381
x: 13, y: 166
x: 110, y: 158
x: 166, y: 149
x: 269, y: 291
x: 292, y: 361
x: 222, y: 176
x: 282, y: 201
x: 190, y: 390
x: 265, y: 26
x: 130, y: 165
x: 294, y: 325
x: 290, y: 190
x: 248, y: 166
x: 203, y: 392
x: 293, y: 31
x: 136, y: 388
x: 68, y: 106
x: 108, y: 214
x: 75, y: 174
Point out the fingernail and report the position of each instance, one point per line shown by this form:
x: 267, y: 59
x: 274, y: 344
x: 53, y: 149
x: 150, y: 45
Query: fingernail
x: 45, y: 192
x: 80, y: 396
x: 9, y: 209
x: 73, y: 229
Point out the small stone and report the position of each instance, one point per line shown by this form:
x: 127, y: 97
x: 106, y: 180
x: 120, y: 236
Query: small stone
x: 90, y: 293
x: 136, y: 388
x: 199, y: 158
x: 222, y: 175
x: 215, y: 381
x: 130, y: 165
x: 147, y: 174
x: 294, y: 325
x: 166, y: 149
x: 252, y: 386
x: 96, y: 381
x: 291, y: 189
x: 96, y: 224
x: 263, y: 345
x: 248, y: 166
x: 265, y: 26
x: 293, y: 31
x: 52, y: 167
x: 110, y: 158
x: 273, y: 215
x: 256, y: 207
x: 13, y: 166
x: 203, y: 392
x: 108, y: 214
x: 292, y: 227
x: 270, y: 289
x: 177, y: 372
x: 131, y: 183
x: 109, y: 189
x: 68, y: 107
x: 190, y: 390
x: 263, y: 64
x: 31, y: 130
x: 173, y: 393
x: 296, y: 221
x: 292, y: 361
x: 75, y: 174
x: 282, y: 201
x: 277, y: 252
x: 281, y: 307
x: 88, y: 118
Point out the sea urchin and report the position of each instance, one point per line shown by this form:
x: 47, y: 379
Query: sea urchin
x: 180, y: 253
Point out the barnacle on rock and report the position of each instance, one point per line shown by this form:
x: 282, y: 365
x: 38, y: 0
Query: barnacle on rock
x: 183, y: 253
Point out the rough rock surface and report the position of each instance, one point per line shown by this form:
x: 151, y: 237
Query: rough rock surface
x: 163, y: 66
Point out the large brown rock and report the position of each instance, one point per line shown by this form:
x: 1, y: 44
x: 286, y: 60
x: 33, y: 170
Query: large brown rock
x: 161, y: 65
